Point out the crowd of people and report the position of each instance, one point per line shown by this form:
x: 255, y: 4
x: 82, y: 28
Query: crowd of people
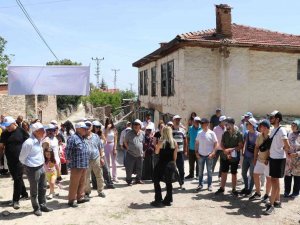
x: 263, y: 149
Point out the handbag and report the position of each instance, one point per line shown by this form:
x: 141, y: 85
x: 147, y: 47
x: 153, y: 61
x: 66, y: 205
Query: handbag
x: 266, y: 145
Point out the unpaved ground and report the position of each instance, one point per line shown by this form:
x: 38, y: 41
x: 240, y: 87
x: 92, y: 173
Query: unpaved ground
x: 130, y: 205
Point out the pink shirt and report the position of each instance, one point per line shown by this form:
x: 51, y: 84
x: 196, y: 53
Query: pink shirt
x: 219, y: 131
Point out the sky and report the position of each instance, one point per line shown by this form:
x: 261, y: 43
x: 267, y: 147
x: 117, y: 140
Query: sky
x: 123, y: 31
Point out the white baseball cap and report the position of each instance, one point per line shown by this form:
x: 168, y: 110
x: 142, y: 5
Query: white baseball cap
x: 96, y: 123
x: 138, y: 121
x: 8, y: 120
x: 80, y: 125
x: 197, y: 118
x: 50, y: 127
x: 36, y: 126
x: 170, y: 123
x: 54, y: 122
x: 222, y: 118
x: 253, y: 121
x: 176, y: 117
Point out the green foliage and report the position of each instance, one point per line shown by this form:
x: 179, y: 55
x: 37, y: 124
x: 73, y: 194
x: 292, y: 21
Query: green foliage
x: 99, y: 98
x: 4, y: 61
x: 128, y: 94
x: 64, y: 100
x: 103, y: 84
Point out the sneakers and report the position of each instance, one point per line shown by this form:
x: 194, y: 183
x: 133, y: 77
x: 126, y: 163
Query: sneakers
x: 286, y: 195
x: 115, y: 180
x: 219, y: 191
x: 294, y: 195
x: 277, y: 204
x: 157, y: 204
x: 102, y: 195
x: 256, y: 196
x: 16, y: 205
x: 139, y: 182
x: 265, y: 199
x: 182, y: 187
x: 24, y: 197
x: 72, y: 204
x: 209, y: 188
x: 45, y: 208
x: 243, y: 191
x: 37, y: 212
x: 235, y: 192
x: 270, y: 210
x: 199, y: 188
x: 189, y: 177
x: 50, y: 196
x: 166, y: 203
x: 83, y: 200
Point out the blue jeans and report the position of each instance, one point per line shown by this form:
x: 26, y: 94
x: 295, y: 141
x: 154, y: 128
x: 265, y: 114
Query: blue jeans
x: 201, y: 162
x: 248, y: 164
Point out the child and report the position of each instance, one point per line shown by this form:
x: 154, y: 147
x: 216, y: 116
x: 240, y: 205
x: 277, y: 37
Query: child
x: 63, y: 161
x: 51, y: 168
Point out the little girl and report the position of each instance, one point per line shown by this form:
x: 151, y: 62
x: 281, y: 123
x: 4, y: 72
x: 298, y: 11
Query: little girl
x: 62, y: 155
x: 51, y: 168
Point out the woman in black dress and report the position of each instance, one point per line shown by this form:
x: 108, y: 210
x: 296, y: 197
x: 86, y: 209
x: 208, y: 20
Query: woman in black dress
x: 165, y: 169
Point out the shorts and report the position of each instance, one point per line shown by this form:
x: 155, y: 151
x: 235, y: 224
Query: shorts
x: 225, y: 164
x: 261, y: 168
x: 50, y: 176
x: 277, y: 167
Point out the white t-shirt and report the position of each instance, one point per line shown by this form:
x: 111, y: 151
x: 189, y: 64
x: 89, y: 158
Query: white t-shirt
x: 276, y: 150
x: 54, y: 145
x: 150, y: 125
x: 206, y: 142
x: 219, y: 131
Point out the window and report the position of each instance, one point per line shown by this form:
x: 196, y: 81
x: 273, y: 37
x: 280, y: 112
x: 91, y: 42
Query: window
x: 42, y: 98
x: 141, y: 83
x: 153, y: 81
x: 167, y: 79
x: 298, y: 71
x: 145, y: 82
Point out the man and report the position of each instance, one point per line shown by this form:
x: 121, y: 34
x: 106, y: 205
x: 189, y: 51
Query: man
x: 248, y: 161
x: 219, y: 131
x: 32, y: 157
x: 279, y: 147
x: 215, y: 119
x: 11, y: 143
x: 232, y: 144
x: 122, y: 137
x: 192, y: 134
x: 19, y: 121
x: 180, y: 138
x: 78, y: 155
x: 96, y: 161
x: 206, y: 143
x: 133, y: 142
x: 148, y: 123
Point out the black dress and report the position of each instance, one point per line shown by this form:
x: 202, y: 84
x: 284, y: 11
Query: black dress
x: 165, y: 170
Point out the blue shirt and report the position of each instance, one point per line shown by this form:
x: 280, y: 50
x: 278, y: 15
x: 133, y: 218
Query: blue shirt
x: 32, y: 153
x: 77, y: 152
x: 193, y: 132
x: 94, y: 146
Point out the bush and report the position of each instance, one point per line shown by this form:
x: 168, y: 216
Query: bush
x: 98, y: 98
x: 64, y: 100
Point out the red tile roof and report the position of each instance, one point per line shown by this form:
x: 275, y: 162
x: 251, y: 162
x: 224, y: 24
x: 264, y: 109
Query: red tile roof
x: 246, y: 35
x: 242, y: 36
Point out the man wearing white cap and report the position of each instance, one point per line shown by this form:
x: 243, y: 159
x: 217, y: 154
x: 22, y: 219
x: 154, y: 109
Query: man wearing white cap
x: 148, y: 123
x: 78, y: 155
x: 11, y: 143
x: 133, y: 142
x: 248, y: 162
x: 32, y: 157
x: 180, y: 138
x: 219, y: 131
x: 122, y: 137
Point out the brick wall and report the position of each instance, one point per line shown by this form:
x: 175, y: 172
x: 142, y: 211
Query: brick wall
x: 12, y: 105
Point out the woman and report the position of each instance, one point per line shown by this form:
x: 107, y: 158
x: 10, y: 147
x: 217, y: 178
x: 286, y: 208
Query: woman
x: 25, y: 125
x: 191, y: 119
x: 165, y: 169
x: 148, y: 148
x: 69, y: 129
x: 97, y: 129
x: 292, y: 168
x: 110, y: 147
x: 157, y: 134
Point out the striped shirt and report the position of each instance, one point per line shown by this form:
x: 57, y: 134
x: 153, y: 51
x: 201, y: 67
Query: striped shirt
x: 179, y: 137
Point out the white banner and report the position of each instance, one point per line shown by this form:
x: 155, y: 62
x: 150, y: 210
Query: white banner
x: 48, y: 80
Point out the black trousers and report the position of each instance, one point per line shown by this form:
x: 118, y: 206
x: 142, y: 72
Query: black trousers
x: 16, y: 171
x: 192, y: 161
x: 288, y: 185
x: 158, y: 196
x: 180, y: 166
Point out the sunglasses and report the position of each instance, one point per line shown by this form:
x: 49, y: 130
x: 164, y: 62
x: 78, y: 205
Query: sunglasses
x: 97, y: 127
x: 88, y: 125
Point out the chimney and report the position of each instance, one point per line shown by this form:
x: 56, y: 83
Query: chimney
x: 223, y: 20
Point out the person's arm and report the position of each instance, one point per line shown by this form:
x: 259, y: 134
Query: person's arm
x: 286, y: 145
x: 26, y: 148
x: 196, y: 148
x: 185, y: 146
x: 175, y: 152
x: 126, y: 141
x: 115, y: 142
x: 1, y: 150
x: 226, y: 151
x: 158, y: 147
x: 122, y: 138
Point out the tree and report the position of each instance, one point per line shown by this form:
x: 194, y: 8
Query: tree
x: 4, y: 61
x: 64, y: 100
x: 103, y: 84
x: 128, y: 94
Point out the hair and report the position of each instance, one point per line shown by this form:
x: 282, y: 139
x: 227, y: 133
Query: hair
x: 160, y: 123
x: 99, y: 132
x: 25, y: 123
x: 167, y: 136
x: 109, y: 121
x: 193, y: 115
x: 60, y: 137
x: 52, y: 157
x: 69, y: 126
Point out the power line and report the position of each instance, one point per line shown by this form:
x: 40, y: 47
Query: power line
x: 97, y: 74
x: 115, y: 78
x: 39, y: 3
x: 35, y: 27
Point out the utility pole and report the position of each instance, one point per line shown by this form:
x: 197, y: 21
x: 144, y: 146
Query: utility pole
x: 131, y: 84
x: 115, y: 78
x: 97, y: 74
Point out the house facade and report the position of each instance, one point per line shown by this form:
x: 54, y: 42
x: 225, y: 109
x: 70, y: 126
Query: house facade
x: 233, y: 67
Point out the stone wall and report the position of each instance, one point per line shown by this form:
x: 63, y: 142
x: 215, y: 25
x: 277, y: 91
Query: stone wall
x: 48, y: 109
x: 12, y: 105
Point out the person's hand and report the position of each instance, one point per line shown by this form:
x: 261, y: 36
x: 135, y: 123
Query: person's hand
x: 102, y: 162
x: 212, y: 155
x: 227, y: 151
x: 197, y: 156
x: 266, y: 162
x: 115, y: 152
x: 186, y: 153
x: 293, y: 155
